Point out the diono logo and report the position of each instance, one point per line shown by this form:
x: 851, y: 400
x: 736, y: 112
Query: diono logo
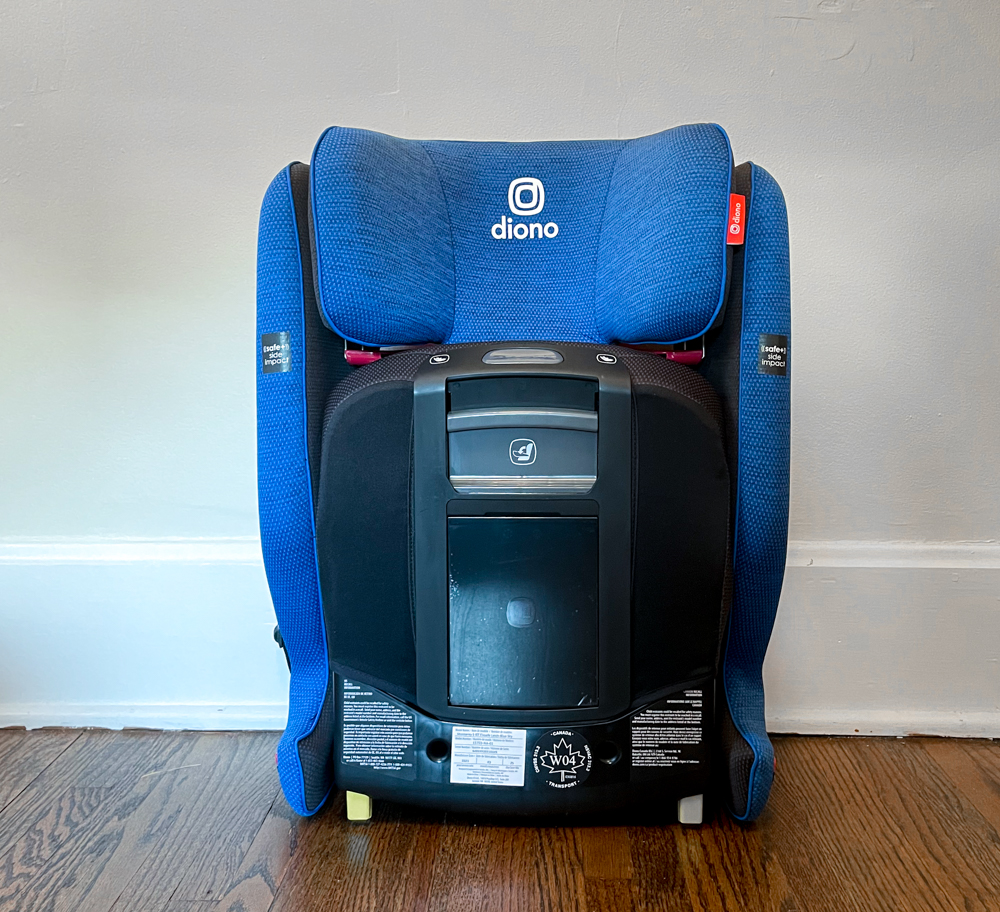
x: 525, y: 196
x: 536, y: 196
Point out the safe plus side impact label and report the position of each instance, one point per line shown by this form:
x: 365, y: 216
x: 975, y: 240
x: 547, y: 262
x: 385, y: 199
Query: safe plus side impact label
x: 772, y: 355
x: 276, y: 352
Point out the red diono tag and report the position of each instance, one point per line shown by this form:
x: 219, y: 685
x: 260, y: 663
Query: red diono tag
x: 737, y: 217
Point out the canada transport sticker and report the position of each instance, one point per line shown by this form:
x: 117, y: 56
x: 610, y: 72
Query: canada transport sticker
x: 562, y: 759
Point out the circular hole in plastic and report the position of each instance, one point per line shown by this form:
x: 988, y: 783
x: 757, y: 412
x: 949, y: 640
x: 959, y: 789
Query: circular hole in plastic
x: 608, y: 752
x: 438, y: 750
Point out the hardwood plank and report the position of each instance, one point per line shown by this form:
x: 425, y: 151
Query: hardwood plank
x: 727, y: 868
x: 190, y: 905
x: 659, y: 882
x: 873, y: 824
x: 87, y: 872
x: 68, y: 814
x: 610, y: 895
x: 839, y: 845
x: 719, y: 866
x: 532, y: 868
x: 605, y: 852
x: 25, y: 755
x: 95, y: 759
x: 974, y: 767
x: 385, y: 864
x: 460, y: 878
x: 237, y: 803
x: 956, y: 837
x: 560, y: 871
x: 508, y: 867
x: 263, y: 867
x: 197, y: 857
x: 155, y: 821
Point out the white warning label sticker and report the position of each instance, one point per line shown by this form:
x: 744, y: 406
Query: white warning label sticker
x: 488, y: 756
x: 664, y: 734
x: 377, y: 734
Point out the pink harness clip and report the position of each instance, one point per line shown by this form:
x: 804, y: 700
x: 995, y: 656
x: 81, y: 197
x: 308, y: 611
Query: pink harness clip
x: 358, y: 358
x: 682, y: 352
x: 685, y: 357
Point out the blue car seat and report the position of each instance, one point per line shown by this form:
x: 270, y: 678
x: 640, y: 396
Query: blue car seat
x: 523, y: 443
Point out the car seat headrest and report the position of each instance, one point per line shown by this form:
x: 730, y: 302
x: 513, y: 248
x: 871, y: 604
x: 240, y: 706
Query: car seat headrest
x: 596, y: 241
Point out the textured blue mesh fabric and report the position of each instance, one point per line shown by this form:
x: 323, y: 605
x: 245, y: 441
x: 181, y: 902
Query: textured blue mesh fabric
x: 525, y: 288
x: 627, y: 243
x: 762, y: 497
x: 661, y: 266
x: 385, y: 266
x: 285, y: 497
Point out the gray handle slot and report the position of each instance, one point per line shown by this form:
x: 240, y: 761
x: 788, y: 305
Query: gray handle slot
x: 566, y: 419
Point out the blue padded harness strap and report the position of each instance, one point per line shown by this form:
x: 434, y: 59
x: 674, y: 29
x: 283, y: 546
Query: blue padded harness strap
x: 284, y: 485
x: 762, y: 492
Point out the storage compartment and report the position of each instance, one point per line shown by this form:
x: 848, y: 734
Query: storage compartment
x: 522, y: 609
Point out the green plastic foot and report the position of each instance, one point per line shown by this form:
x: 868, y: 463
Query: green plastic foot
x: 359, y: 807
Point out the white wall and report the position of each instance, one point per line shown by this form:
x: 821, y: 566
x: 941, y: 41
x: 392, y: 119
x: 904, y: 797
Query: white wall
x: 136, y: 140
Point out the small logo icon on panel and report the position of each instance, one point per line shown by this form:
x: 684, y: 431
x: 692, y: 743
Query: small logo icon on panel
x: 440, y: 359
x: 605, y: 358
x: 523, y: 451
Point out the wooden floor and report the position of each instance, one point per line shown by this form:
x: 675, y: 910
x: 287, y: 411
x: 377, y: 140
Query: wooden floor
x: 187, y: 822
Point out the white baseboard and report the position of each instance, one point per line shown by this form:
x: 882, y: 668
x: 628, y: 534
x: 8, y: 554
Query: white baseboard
x: 900, y: 723
x: 244, y: 550
x: 168, y: 633
x: 982, y: 555
x: 887, y: 638
x: 170, y: 716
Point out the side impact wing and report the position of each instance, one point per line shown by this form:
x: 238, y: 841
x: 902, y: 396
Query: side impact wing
x: 762, y: 441
x: 296, y: 367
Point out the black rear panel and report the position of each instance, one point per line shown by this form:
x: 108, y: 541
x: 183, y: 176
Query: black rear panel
x: 681, y: 520
x: 680, y: 533
x: 363, y: 536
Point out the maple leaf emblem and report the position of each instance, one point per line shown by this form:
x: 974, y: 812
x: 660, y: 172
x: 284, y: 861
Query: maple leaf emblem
x: 563, y: 760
